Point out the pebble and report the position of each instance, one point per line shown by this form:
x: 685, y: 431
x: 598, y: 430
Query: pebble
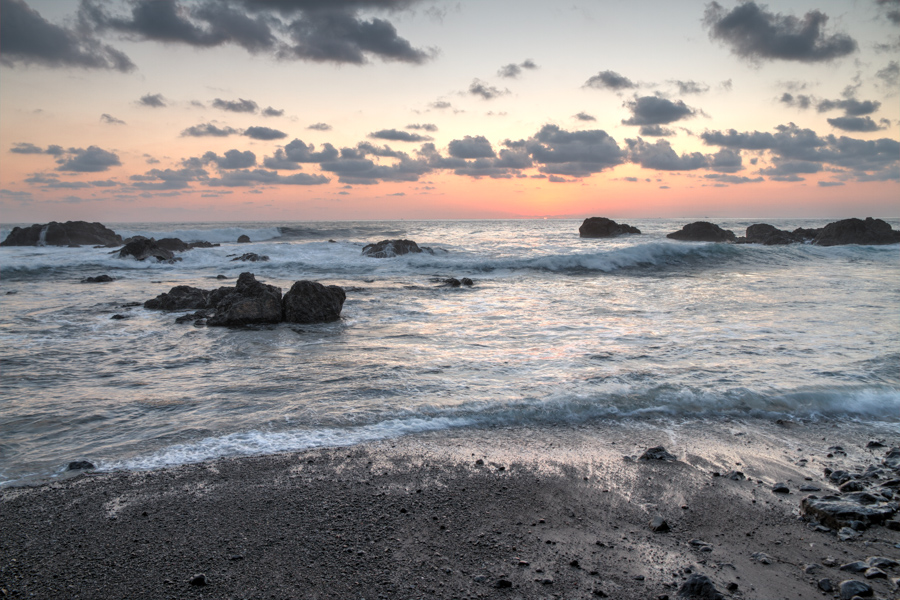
x: 762, y: 558
x: 198, y: 580
x: 855, y: 567
x: 659, y: 525
x: 825, y: 585
x: 780, y: 488
x: 812, y: 568
x: 503, y: 583
x: 875, y: 573
x: 882, y: 562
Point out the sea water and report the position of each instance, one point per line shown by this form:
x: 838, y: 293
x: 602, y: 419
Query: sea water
x: 556, y: 329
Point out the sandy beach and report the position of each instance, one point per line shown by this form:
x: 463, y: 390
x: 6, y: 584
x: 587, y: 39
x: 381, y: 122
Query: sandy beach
x: 551, y: 512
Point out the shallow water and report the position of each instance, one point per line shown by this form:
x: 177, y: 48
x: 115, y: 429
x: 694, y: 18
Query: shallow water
x: 556, y: 329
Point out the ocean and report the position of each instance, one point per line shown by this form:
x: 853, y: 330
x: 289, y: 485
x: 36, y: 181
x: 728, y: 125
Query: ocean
x: 556, y: 331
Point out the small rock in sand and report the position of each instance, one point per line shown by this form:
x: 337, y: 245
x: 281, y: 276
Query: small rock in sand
x: 657, y: 453
x: 199, y: 580
x: 780, y: 488
x: 855, y: 567
x: 699, y: 586
x: 851, y: 587
x: 659, y: 525
x: 762, y: 558
x: 874, y: 573
x: 825, y: 585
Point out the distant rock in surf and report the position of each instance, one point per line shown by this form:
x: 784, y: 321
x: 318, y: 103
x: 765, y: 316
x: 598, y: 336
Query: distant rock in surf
x: 703, y: 231
x: 312, y: 302
x: 251, y: 257
x: 392, y: 248
x: 250, y: 303
x: 871, y: 232
x: 142, y: 249
x: 601, y: 227
x: 244, y: 239
x: 70, y: 233
x: 180, y: 297
x: 769, y: 235
x: 98, y: 279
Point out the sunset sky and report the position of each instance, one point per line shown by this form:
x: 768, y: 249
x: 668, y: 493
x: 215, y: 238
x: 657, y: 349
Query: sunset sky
x: 237, y: 110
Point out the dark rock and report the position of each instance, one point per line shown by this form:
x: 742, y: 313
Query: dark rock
x: 312, y: 302
x: 251, y: 257
x: 451, y: 282
x: 467, y: 282
x: 199, y: 580
x: 657, y: 453
x: 249, y: 303
x: 118, y: 317
x: 856, y: 231
x: 892, y: 459
x: 173, y: 245
x: 762, y: 558
x: 735, y: 475
x: 845, y: 533
x: 244, y: 239
x: 503, y: 583
x: 221, y: 277
x: 703, y: 231
x: 391, y: 248
x: 77, y: 233
x: 659, y: 525
x: 192, y: 317
x: 852, y: 486
x: 601, y: 227
x: 78, y: 465
x: 780, y: 488
x: 825, y: 585
x: 732, y: 587
x: 882, y: 562
x: 143, y: 249
x: 202, y: 245
x: 97, y: 279
x: 699, y: 586
x: 838, y: 511
x: 874, y: 444
x: 768, y: 235
x: 809, y: 488
x: 180, y: 297
x: 855, y: 567
x: 850, y: 588
x: 892, y: 524
x: 875, y: 573
x: 807, y: 235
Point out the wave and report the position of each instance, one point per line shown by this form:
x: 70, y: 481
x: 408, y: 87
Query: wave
x: 222, y: 235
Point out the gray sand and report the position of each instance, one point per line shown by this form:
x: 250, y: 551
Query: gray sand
x: 552, y: 512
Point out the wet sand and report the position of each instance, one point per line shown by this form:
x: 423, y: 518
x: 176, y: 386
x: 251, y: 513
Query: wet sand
x: 558, y: 511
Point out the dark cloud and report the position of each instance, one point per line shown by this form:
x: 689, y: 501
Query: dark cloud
x: 281, y: 162
x: 320, y: 127
x: 661, y: 157
x: 513, y: 70
x: 233, y: 159
x: 28, y: 38
x: 250, y: 178
x: 583, y: 116
x: 851, y: 106
x: 891, y: 10
x: 654, y: 110
x: 801, y: 101
x: 111, y: 119
x: 790, y: 170
x: 365, y: 171
x: 87, y: 160
x: 26, y: 148
x: 300, y: 152
x: 735, y: 179
x: 756, y: 34
x: 857, y: 124
x: 726, y: 160
x: 208, y: 130
x: 610, y: 80
x: 573, y: 153
x: 396, y: 135
x: 366, y: 149
x: 690, y: 87
x: 488, y: 92
x: 504, y: 165
x: 890, y: 74
x: 264, y: 133
x: 272, y: 112
x: 152, y: 100
x: 239, y: 106
x: 168, y: 179
x: 431, y: 127
x: 471, y: 147
x: 656, y: 131
x: 830, y: 183
x: 441, y: 104
x: 726, y: 85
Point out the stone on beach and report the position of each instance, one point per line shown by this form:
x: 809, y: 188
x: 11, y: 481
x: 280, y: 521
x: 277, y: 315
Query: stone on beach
x: 699, y: 586
x: 657, y: 453
x: 850, y: 588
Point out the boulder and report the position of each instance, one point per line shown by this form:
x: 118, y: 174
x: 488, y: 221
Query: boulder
x: 892, y: 459
x: 202, y: 245
x: 769, y: 235
x: 70, y: 233
x: 98, y: 279
x: 699, y: 586
x: 249, y: 303
x: 251, y: 257
x: 312, y: 302
x: 244, y: 239
x: 173, y: 244
x: 850, y: 588
x: 601, y: 227
x: 142, y: 249
x: 392, y: 248
x: 839, y: 511
x: 180, y: 297
x: 703, y: 231
x: 856, y: 231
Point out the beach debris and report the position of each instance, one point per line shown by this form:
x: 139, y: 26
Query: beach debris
x: 80, y: 465
x: 657, y: 453
x: 659, y: 525
x: 243, y: 239
x: 699, y: 586
x: 251, y: 257
x: 850, y: 588
x: 98, y: 279
x: 780, y: 488
x: 601, y: 227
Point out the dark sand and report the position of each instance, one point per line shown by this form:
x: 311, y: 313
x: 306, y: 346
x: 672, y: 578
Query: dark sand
x: 557, y: 512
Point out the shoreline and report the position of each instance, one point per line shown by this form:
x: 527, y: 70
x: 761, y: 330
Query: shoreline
x: 562, y: 511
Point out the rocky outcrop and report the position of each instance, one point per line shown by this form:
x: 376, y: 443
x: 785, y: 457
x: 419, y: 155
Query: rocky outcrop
x: 250, y: 303
x: 180, y: 297
x: 244, y: 239
x: 70, y: 233
x: 392, y: 248
x: 142, y: 249
x: 703, y: 231
x: 312, y: 302
x: 769, y: 235
x: 873, y: 232
x: 601, y: 227
x: 173, y: 244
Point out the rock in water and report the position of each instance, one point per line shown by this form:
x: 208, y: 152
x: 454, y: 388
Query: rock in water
x: 703, y: 231
x: 390, y: 248
x: 78, y: 465
x: 657, y: 453
x: 251, y: 257
x: 768, y: 235
x: 173, y: 244
x: 250, y: 302
x: 601, y: 227
x: 180, y: 297
x: 312, y: 302
x: 856, y: 231
x: 699, y: 586
x: 142, y: 249
x: 244, y: 239
x: 98, y: 279
x: 77, y: 233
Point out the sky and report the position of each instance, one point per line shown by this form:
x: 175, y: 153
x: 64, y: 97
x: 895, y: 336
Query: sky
x: 291, y: 110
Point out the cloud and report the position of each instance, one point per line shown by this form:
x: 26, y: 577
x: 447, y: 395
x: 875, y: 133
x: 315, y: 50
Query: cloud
x: 859, y: 124
x: 610, y: 80
x: 320, y: 127
x: 208, y: 130
x: 239, y: 106
x: 250, y: 178
x: 654, y: 110
x: 891, y: 10
x: 583, y: 116
x: 28, y: 38
x: 726, y: 160
x: 655, y: 131
x: 300, y: 152
x: 87, y: 160
x: 281, y: 162
x: 423, y: 127
x: 264, y: 133
x: 168, y: 179
x: 690, y: 87
x: 851, y: 106
x: 488, y: 92
x: 661, y: 157
x: 111, y: 119
x: 395, y: 135
x: 755, y: 34
x: 441, y: 105
x: 351, y: 168
x: 736, y: 179
x: 272, y: 112
x: 830, y: 183
x: 233, y: 159
x: 513, y: 70
x: 890, y: 74
x: 573, y: 153
x: 152, y: 100
x: 801, y: 101
x: 26, y: 148
x: 471, y: 147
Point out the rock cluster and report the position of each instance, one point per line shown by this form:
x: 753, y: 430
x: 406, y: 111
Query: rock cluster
x: 703, y: 231
x: 142, y: 248
x: 601, y: 227
x: 70, y: 233
x: 253, y: 302
x: 392, y: 248
x: 848, y: 231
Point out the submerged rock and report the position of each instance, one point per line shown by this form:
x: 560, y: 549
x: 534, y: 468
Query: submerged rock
x: 70, y: 233
x: 703, y: 231
x: 98, y: 279
x: 79, y: 465
x: 312, y: 302
x: 392, y: 248
x: 244, y: 239
x: 251, y: 257
x: 601, y: 227
x: 180, y: 297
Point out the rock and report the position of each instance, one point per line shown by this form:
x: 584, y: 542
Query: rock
x: 601, y: 227
x: 875, y: 573
x: 837, y: 511
x: 244, y: 239
x: 825, y: 585
x: 657, y: 453
x: 250, y: 302
x: 79, y: 465
x: 855, y: 567
x: 703, y: 231
x: 143, y: 249
x: 251, y: 257
x: 451, y: 282
x: 856, y: 231
x: 220, y: 277
x: 699, y: 586
x: 467, y: 282
x: 882, y: 562
x: 731, y: 586
x: 846, y: 533
x: 180, y: 297
x: 874, y: 444
x: 173, y: 245
x: 659, y: 525
x: 77, y: 233
x: 852, y: 486
x: 812, y: 568
x: 118, y: 317
x: 503, y: 583
x: 392, y: 248
x: 892, y: 459
x: 192, y: 317
x: 850, y: 588
x: 809, y: 488
x: 199, y: 580
x: 780, y: 488
x: 312, y: 302
x: 735, y: 476
x: 97, y: 279
x: 892, y: 524
x: 203, y: 245
x: 768, y: 235
x: 762, y: 558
